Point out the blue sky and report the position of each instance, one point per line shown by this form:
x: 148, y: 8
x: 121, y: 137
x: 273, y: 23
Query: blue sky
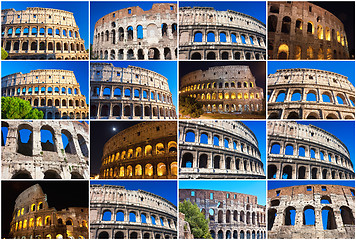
x: 79, y: 68
x: 80, y: 10
x: 256, y: 188
x: 167, y: 69
x: 165, y: 189
x: 346, y: 68
x: 259, y: 129
x: 256, y: 9
x: 337, y: 129
x: 99, y: 9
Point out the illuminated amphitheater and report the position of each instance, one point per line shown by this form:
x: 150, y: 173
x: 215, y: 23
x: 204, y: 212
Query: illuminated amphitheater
x: 55, y: 92
x: 208, y: 34
x: 34, y: 218
x: 218, y: 149
x: 134, y: 34
x: 224, y: 89
x: 310, y: 94
x: 297, y: 151
x: 129, y: 93
x: 313, y: 211
x: 302, y: 30
x: 53, y: 150
x: 231, y: 215
x: 145, y: 150
x: 41, y: 33
x: 116, y: 212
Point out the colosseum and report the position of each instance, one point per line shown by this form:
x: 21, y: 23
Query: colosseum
x: 41, y: 33
x: 232, y: 215
x: 302, y: 30
x: 135, y: 34
x: 33, y: 218
x: 218, y: 149
x: 208, y: 34
x: 224, y: 89
x: 129, y: 93
x: 312, y: 211
x: 116, y: 212
x: 310, y: 94
x: 145, y: 150
x: 44, y: 150
x: 55, y: 92
x: 298, y: 151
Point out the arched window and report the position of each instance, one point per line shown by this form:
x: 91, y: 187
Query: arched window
x: 276, y: 148
x: 216, y: 141
x: 289, y: 216
x: 106, y: 215
x: 204, y: 138
x: 301, y: 151
x: 222, y: 37
x: 198, y: 37
x: 308, y: 215
x: 289, y: 150
x: 211, y: 37
x: 190, y: 136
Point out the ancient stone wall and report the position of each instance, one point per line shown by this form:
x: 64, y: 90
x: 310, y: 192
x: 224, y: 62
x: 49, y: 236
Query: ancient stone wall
x: 135, y: 34
x: 132, y: 214
x: 41, y: 33
x: 297, y: 151
x: 224, y: 89
x: 205, y: 33
x: 145, y: 150
x: 33, y: 218
x: 302, y: 30
x: 129, y: 93
x: 55, y: 92
x: 231, y: 214
x: 322, y: 95
x: 291, y: 211
x: 36, y: 159
x: 218, y: 149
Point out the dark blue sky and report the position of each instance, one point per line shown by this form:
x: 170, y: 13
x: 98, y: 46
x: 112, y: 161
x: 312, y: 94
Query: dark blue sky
x: 167, y: 69
x: 287, y: 183
x: 259, y: 129
x: 346, y: 68
x: 256, y: 187
x: 99, y: 9
x: 256, y: 9
x: 337, y: 128
x: 165, y: 189
x: 80, y: 10
x: 79, y: 68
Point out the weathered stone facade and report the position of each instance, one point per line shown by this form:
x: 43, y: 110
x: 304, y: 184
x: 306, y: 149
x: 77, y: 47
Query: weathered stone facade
x: 218, y: 149
x: 33, y: 218
x: 334, y: 95
x: 37, y: 159
x: 232, y: 215
x: 135, y: 34
x: 41, y: 33
x: 55, y: 92
x: 145, y: 150
x: 224, y: 89
x: 302, y: 30
x: 184, y: 228
x: 129, y: 93
x: 289, y: 209
x: 133, y: 214
x: 297, y: 151
x: 235, y: 35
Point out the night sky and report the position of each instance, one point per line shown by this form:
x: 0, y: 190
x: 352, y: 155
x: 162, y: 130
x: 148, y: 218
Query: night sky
x: 100, y: 133
x: 60, y: 195
x: 345, y: 12
x: 258, y: 68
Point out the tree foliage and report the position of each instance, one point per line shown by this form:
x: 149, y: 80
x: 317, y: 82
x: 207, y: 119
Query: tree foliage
x: 199, y: 226
x: 4, y: 54
x: 189, y: 106
x: 17, y: 108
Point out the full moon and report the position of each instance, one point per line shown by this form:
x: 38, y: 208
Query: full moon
x: 114, y: 129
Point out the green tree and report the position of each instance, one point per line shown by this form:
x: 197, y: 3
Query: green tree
x: 189, y: 106
x: 17, y: 108
x: 197, y: 222
x: 4, y: 54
